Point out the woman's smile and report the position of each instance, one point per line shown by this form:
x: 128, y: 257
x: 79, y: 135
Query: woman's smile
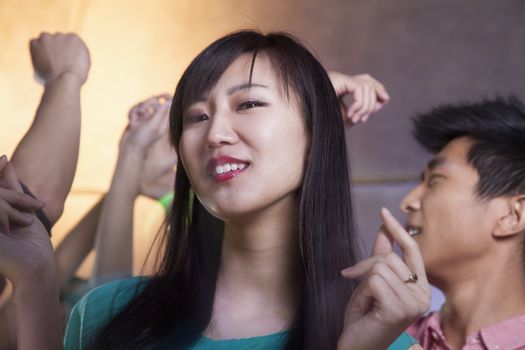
x: 245, y: 125
x: 224, y: 168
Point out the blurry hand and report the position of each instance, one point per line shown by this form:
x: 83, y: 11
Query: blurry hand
x: 392, y: 293
x: 25, y: 247
x: 148, y: 121
x: 56, y: 54
x: 368, y: 95
x: 145, y: 109
x: 157, y: 174
x: 15, y: 207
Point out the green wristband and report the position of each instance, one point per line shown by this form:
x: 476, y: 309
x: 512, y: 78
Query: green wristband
x: 167, y: 200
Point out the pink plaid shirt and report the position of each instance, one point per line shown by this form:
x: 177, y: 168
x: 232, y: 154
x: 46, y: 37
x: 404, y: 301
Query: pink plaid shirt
x: 504, y: 335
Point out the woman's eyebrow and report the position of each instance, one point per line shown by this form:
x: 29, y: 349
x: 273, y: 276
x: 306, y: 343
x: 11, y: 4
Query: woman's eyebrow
x: 203, y: 97
x: 244, y: 86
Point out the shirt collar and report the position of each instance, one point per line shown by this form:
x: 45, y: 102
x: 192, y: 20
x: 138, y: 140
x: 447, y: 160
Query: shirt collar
x: 508, y: 334
x: 504, y: 335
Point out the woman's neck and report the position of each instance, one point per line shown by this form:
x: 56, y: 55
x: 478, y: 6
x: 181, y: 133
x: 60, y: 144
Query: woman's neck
x: 259, y: 275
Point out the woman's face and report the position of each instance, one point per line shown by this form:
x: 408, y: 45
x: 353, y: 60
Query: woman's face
x: 243, y: 145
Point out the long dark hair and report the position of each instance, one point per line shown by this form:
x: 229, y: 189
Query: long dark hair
x: 175, y: 305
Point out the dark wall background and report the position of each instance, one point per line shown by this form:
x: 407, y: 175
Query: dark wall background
x: 426, y: 53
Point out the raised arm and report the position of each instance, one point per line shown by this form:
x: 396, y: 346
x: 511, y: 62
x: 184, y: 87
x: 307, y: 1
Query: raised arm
x: 77, y: 244
x: 148, y: 122
x: 156, y: 179
x: 46, y: 157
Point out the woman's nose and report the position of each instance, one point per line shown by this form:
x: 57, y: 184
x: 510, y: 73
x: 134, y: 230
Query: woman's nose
x: 221, y: 131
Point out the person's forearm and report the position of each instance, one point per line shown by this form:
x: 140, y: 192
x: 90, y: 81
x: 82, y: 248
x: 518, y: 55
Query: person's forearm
x: 77, y: 244
x: 35, y: 305
x: 46, y: 157
x: 114, y: 241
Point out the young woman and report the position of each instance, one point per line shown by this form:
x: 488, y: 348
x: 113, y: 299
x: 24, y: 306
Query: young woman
x: 262, y: 225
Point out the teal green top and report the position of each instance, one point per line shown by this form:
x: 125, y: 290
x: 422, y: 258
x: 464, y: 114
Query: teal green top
x: 100, y: 305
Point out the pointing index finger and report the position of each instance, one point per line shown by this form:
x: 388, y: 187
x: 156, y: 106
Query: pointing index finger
x: 409, y: 247
x: 383, y: 243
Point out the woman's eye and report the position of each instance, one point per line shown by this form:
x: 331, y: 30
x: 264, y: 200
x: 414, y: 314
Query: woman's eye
x: 197, y: 118
x: 249, y: 105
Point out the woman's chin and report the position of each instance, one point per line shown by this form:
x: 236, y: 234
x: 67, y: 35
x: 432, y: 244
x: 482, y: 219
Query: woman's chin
x: 228, y: 213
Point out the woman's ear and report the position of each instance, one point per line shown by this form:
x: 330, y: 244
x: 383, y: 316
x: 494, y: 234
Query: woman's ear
x: 513, y: 221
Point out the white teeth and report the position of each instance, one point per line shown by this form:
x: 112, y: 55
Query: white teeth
x: 413, y: 231
x: 221, y: 169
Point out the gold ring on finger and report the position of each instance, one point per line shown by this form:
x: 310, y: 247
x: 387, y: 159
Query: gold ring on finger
x: 411, y: 279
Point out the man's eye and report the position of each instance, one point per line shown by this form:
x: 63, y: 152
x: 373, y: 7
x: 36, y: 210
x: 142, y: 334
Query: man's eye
x: 432, y: 180
x: 249, y: 105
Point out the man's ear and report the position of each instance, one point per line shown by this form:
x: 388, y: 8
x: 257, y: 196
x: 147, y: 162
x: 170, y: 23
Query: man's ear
x: 513, y: 221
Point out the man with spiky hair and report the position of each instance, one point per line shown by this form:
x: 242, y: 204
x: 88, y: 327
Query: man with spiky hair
x: 468, y: 217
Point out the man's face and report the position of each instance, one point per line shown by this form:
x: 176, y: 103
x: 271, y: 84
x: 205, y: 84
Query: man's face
x: 451, y: 224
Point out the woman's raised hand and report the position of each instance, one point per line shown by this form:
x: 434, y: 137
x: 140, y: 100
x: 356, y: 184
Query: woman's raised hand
x: 392, y: 293
x: 367, y: 94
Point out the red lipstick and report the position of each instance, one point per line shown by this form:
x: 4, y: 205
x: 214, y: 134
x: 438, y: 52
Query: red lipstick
x: 225, y: 168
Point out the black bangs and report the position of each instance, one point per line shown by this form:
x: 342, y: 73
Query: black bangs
x: 204, y: 72
x: 207, y: 68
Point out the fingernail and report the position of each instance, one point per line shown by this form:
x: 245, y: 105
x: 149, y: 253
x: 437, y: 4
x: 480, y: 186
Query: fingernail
x: 347, y: 270
x: 385, y: 211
